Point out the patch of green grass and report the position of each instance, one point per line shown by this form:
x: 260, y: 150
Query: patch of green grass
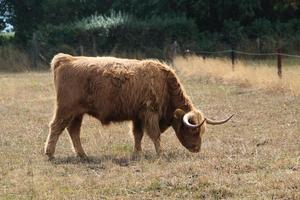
x: 122, y: 148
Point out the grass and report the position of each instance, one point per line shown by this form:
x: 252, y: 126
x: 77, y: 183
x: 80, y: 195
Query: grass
x: 256, y: 74
x: 255, y: 156
x: 13, y: 59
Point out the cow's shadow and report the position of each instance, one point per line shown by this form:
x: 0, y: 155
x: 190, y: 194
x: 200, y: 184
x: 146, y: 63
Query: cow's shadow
x: 122, y: 161
x: 95, y: 160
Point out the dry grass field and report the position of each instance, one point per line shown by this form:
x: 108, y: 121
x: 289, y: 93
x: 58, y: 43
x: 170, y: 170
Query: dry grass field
x: 260, y: 74
x: 254, y: 156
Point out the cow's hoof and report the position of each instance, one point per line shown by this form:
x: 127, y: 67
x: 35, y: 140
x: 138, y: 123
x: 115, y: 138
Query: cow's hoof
x: 83, y: 157
x: 137, y: 155
x: 49, y: 156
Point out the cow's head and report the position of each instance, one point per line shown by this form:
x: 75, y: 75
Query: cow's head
x: 190, y: 127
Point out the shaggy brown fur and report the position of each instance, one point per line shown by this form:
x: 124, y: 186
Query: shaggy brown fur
x: 110, y: 89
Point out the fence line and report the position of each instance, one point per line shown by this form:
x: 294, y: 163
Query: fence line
x: 248, y: 53
x: 215, y: 52
x: 233, y: 54
x: 35, y: 53
x: 289, y: 55
x: 254, y: 54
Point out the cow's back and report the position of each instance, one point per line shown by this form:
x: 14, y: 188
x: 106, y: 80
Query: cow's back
x: 110, y: 89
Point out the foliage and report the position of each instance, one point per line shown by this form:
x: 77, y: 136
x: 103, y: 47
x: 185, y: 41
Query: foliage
x: 229, y: 23
x: 6, y: 38
x: 233, y: 32
x: 119, y: 32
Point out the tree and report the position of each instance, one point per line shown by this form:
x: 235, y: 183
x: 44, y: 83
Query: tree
x: 233, y: 32
x: 5, y: 13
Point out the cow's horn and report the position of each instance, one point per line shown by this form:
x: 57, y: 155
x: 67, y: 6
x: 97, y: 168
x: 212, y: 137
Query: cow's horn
x: 186, y: 122
x: 213, y: 122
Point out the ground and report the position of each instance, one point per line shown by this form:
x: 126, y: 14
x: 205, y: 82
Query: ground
x: 254, y: 156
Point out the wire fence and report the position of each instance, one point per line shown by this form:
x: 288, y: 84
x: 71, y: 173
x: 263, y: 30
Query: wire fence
x: 247, y: 53
x: 234, y: 53
x: 36, y: 54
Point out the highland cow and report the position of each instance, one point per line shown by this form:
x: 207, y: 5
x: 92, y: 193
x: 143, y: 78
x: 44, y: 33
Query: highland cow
x: 146, y: 92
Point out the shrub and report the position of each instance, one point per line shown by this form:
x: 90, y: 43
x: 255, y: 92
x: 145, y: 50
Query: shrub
x: 6, y: 38
x: 123, y: 33
x: 233, y: 32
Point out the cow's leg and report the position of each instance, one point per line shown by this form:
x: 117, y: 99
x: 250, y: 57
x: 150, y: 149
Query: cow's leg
x: 58, y: 124
x: 138, y: 133
x: 74, y: 132
x: 156, y: 140
x: 153, y: 130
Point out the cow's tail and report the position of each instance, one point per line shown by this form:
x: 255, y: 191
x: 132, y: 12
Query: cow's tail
x: 58, y: 59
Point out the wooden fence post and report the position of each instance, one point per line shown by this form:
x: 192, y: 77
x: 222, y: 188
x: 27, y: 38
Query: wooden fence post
x: 94, y: 45
x: 81, y: 49
x: 279, y: 63
x: 174, y: 49
x: 232, y: 58
x: 34, y: 51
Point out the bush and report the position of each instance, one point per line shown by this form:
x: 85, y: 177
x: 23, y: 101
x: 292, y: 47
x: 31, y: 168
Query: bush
x: 123, y: 33
x: 209, y: 41
x: 233, y: 32
x: 6, y: 38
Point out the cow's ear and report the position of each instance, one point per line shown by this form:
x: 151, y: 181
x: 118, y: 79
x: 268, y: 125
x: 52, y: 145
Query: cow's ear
x: 177, y: 120
x: 178, y: 114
